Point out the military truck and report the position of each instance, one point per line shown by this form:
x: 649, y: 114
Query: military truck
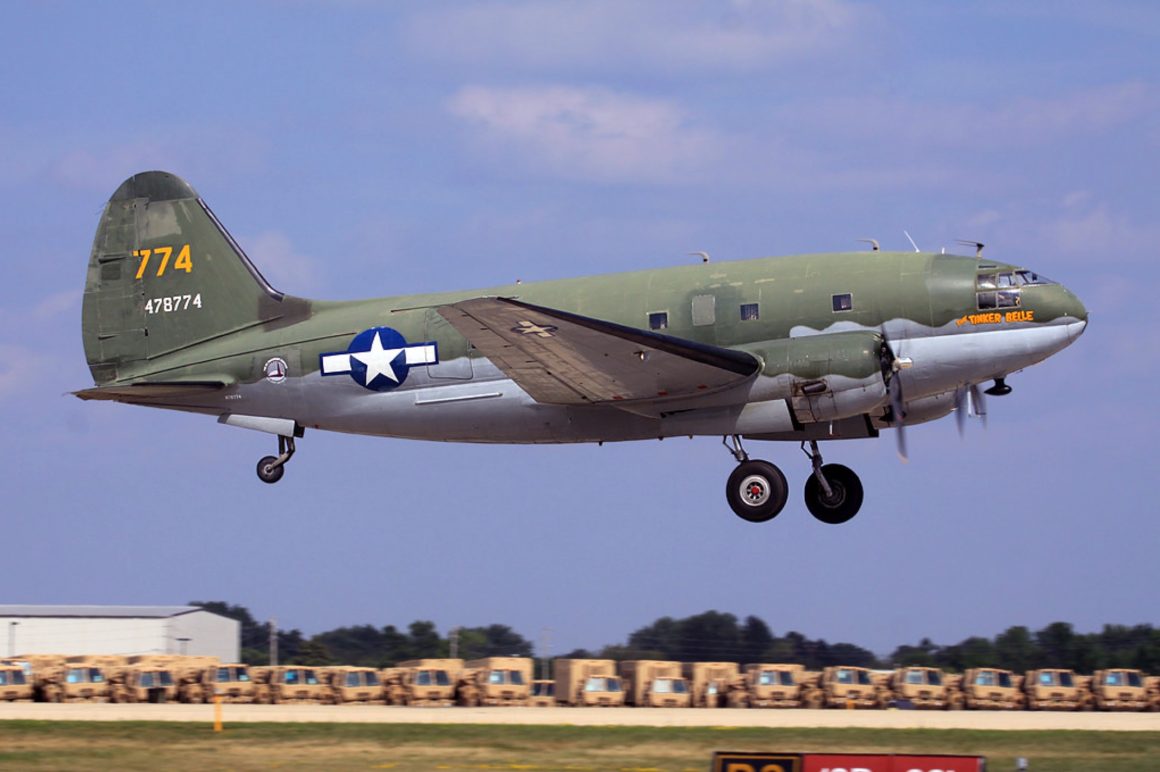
x: 1055, y: 689
x: 1120, y: 689
x: 46, y: 674
x: 587, y: 682
x: 430, y: 681
x: 711, y: 682
x: 924, y: 688
x: 292, y: 683
x: 498, y: 681
x: 15, y: 684
x: 543, y: 694
x: 779, y: 685
x: 143, y: 682
x: 84, y: 682
x: 355, y: 685
x: 852, y: 687
x: 206, y: 678
x: 651, y: 683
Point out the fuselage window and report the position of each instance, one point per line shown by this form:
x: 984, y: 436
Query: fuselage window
x: 658, y: 320
x: 749, y: 312
x: 843, y: 302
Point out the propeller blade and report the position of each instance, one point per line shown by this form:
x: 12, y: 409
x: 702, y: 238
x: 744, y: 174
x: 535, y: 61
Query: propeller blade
x: 978, y: 404
x: 962, y: 407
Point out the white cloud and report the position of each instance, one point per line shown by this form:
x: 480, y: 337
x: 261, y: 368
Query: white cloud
x: 276, y: 258
x: 1018, y: 123
x: 663, y: 36
x: 588, y: 134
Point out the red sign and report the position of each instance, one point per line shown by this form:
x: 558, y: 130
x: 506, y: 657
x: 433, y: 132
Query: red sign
x: 877, y: 762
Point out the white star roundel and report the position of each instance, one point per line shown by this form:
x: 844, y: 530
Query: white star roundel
x: 378, y: 359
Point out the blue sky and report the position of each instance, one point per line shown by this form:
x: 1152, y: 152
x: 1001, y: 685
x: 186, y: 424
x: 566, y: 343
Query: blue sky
x: 363, y: 149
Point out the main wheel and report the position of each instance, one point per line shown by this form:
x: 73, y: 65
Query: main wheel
x: 846, y: 498
x: 267, y: 472
x: 756, y: 491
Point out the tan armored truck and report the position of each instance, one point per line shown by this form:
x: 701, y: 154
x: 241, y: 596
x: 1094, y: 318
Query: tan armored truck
x: 924, y: 688
x: 650, y: 683
x: 356, y: 685
x: 1055, y: 689
x: 144, y: 682
x: 292, y: 683
x: 1121, y: 689
x: 81, y: 682
x: 232, y: 682
x: 852, y: 687
x: 46, y: 674
x: 710, y: 683
x: 430, y: 681
x: 499, y: 681
x: 779, y: 685
x: 15, y: 684
x: 587, y: 682
x: 543, y: 694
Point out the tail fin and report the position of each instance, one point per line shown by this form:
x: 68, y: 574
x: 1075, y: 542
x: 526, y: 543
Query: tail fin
x: 165, y: 275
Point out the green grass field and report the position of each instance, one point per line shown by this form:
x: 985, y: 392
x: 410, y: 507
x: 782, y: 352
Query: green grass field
x: 132, y: 745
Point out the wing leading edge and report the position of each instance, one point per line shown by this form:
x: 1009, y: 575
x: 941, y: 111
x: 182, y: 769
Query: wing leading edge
x: 561, y: 358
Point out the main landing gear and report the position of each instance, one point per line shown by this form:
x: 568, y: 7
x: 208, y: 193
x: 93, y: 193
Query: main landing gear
x: 757, y: 490
x: 271, y: 468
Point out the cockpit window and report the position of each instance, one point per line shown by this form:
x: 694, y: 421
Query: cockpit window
x: 1023, y: 278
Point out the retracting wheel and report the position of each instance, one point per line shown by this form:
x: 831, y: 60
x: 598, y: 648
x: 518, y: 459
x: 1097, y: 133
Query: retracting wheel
x: 757, y: 491
x: 271, y: 468
x: 833, y: 492
x: 843, y: 500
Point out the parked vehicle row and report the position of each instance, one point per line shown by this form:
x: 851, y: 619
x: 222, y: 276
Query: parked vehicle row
x: 508, y: 681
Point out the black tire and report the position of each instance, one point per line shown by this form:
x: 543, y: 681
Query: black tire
x: 845, y: 502
x: 756, y: 491
x: 268, y: 473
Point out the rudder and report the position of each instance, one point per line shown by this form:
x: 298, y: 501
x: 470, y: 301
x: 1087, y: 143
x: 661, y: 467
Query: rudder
x: 164, y: 275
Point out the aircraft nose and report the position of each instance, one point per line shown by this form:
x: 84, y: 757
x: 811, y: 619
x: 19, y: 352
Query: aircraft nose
x: 1071, y: 305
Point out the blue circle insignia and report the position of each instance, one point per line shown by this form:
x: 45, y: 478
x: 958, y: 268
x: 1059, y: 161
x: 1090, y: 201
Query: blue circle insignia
x: 378, y: 359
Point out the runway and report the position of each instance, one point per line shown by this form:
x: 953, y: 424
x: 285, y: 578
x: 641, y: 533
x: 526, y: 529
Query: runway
x: 372, y: 714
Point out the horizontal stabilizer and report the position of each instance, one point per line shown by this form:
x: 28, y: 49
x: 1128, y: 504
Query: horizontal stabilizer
x: 563, y: 358
x: 153, y: 392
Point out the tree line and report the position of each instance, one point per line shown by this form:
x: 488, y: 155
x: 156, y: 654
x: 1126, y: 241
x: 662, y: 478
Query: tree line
x: 712, y: 636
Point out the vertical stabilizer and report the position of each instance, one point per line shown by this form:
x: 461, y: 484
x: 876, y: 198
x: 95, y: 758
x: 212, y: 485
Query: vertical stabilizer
x: 165, y: 275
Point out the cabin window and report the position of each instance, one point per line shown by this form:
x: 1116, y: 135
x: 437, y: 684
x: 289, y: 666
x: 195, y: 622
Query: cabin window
x: 749, y: 312
x: 843, y: 302
x: 658, y: 320
x: 704, y: 310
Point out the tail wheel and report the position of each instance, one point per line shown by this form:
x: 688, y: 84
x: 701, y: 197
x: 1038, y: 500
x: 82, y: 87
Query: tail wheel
x: 845, y: 497
x: 267, y: 472
x: 756, y: 491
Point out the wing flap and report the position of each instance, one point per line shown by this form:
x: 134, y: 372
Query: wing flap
x: 563, y: 358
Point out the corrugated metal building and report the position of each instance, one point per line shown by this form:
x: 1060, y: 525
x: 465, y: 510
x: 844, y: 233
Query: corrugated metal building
x: 118, y: 630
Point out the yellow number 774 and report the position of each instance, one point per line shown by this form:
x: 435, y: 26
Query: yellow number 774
x: 183, y: 263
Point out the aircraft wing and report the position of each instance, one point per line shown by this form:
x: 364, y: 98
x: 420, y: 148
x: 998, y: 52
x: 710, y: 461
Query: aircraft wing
x: 562, y: 358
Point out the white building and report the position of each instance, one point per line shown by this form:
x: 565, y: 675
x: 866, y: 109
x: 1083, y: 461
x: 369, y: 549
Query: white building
x: 118, y: 630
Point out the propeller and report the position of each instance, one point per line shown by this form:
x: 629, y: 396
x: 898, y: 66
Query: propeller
x: 892, y: 363
x: 969, y: 401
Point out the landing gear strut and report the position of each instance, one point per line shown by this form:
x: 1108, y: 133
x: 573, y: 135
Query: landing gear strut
x: 833, y: 492
x: 271, y: 468
x: 757, y: 490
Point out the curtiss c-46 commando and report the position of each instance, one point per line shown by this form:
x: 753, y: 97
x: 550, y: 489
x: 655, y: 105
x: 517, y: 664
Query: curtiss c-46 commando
x: 803, y: 348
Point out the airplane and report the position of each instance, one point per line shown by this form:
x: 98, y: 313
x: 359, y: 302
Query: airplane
x: 804, y: 348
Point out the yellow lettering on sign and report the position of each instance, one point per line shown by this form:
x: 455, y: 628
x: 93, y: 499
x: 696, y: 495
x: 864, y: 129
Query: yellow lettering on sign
x: 1020, y: 316
x: 183, y: 262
